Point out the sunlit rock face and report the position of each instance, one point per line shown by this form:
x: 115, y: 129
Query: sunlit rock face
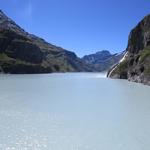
x: 136, y: 65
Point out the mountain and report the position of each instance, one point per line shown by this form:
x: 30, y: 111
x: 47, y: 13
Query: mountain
x: 102, y: 60
x: 135, y: 66
x: 21, y: 52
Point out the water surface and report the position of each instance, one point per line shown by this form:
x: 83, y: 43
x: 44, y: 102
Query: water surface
x: 73, y: 111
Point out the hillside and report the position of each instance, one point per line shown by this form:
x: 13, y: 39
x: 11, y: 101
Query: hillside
x: 21, y: 52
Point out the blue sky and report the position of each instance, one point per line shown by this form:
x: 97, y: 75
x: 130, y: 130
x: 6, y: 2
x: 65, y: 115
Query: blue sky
x: 82, y: 26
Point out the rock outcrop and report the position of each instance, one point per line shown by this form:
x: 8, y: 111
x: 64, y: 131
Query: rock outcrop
x: 102, y: 60
x: 136, y: 64
x: 21, y: 52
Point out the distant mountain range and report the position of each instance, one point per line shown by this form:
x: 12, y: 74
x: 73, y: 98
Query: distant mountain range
x: 21, y: 52
x: 102, y: 60
x: 135, y: 66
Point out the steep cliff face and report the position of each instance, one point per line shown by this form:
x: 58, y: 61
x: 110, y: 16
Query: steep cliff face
x: 136, y: 64
x: 21, y: 52
x: 102, y: 60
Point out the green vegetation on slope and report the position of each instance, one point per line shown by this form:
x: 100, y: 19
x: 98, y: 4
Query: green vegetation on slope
x: 4, y: 57
x: 145, y: 53
x: 122, y: 66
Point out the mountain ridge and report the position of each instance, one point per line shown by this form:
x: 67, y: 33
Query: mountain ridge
x: 22, y: 52
x: 102, y: 60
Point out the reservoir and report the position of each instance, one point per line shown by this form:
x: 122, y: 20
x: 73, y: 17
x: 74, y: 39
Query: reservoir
x: 73, y: 111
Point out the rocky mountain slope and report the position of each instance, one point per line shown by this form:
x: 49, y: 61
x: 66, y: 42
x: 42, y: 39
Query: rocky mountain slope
x: 21, y: 52
x: 136, y: 63
x: 102, y: 60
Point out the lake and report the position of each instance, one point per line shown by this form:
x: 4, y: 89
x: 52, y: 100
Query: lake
x: 73, y: 111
